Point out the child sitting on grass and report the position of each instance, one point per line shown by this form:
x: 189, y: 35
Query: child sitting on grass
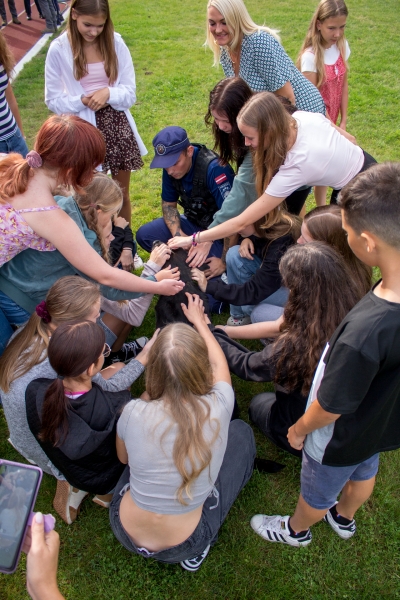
x: 353, y: 408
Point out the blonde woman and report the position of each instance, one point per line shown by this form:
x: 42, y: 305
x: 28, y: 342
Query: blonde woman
x: 254, y: 53
x: 187, y: 462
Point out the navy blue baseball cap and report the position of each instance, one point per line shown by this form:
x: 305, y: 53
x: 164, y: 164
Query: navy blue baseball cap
x: 168, y: 145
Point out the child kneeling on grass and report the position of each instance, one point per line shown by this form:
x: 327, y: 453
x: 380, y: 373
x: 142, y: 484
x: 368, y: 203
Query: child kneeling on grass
x: 353, y: 408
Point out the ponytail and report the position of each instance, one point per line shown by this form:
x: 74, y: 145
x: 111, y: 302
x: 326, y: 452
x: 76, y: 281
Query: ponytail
x: 14, y: 175
x: 73, y: 348
x: 55, y: 414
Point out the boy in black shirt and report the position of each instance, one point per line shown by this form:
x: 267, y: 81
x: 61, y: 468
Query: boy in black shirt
x: 353, y: 409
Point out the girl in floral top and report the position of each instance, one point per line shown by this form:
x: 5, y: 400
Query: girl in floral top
x: 67, y: 150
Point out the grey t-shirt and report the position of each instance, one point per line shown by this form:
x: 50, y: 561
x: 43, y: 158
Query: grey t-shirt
x: 149, y: 437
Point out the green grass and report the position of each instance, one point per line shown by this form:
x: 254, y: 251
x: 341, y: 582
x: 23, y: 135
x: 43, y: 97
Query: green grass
x: 174, y: 76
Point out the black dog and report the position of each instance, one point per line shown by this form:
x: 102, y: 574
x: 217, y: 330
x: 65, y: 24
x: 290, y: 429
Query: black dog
x: 168, y: 308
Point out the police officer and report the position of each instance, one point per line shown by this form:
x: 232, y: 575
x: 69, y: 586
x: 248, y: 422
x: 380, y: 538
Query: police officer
x: 193, y: 178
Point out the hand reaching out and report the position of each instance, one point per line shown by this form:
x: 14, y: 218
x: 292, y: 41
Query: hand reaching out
x: 168, y: 273
x: 160, y: 254
x: 198, y: 254
x: 194, y: 311
x: 180, y: 242
x: 201, y: 279
x: 215, y: 267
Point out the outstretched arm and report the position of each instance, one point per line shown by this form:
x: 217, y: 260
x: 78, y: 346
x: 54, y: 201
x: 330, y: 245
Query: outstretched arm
x: 57, y: 227
x: 194, y: 312
x: 263, y: 205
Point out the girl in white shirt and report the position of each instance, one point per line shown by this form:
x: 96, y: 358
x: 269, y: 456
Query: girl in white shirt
x: 89, y: 72
x: 289, y: 151
x: 323, y: 60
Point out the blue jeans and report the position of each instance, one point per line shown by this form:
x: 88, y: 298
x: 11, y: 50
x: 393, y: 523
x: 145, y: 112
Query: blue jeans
x: 239, y: 270
x: 236, y: 470
x: 321, y: 484
x: 271, y: 308
x: 10, y: 314
x: 15, y: 143
x: 158, y: 230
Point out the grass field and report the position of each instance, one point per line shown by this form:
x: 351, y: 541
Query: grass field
x: 174, y: 76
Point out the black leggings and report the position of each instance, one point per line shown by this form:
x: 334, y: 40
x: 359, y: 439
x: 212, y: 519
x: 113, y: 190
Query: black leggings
x: 368, y: 162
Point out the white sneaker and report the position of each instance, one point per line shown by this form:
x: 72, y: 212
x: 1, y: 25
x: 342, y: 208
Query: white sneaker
x: 233, y: 321
x: 137, y: 262
x: 276, y: 529
x: 343, y: 531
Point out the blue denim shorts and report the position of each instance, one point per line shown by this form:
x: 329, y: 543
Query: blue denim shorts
x: 15, y: 143
x: 321, y: 484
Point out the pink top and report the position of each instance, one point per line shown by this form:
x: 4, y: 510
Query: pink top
x: 96, y: 79
x: 16, y: 235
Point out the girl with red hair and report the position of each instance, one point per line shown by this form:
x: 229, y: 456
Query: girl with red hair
x: 67, y: 151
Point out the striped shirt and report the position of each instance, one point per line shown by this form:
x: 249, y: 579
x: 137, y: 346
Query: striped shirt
x: 8, y: 125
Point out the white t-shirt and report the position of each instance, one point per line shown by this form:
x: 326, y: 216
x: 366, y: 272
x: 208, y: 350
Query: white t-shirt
x: 320, y: 156
x: 330, y: 57
x: 149, y: 437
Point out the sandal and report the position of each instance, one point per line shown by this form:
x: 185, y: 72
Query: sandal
x: 67, y: 502
x: 101, y: 500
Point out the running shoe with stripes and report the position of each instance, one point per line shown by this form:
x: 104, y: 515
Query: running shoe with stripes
x: 194, y: 564
x: 345, y: 531
x: 276, y: 529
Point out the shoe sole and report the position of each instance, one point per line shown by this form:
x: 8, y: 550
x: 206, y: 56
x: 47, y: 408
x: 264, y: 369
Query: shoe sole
x: 345, y: 534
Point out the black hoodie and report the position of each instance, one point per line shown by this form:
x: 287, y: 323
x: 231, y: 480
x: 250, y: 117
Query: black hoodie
x: 87, y: 457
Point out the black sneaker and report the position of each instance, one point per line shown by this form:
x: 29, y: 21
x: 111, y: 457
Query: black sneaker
x: 345, y: 529
x: 128, y: 351
x: 194, y: 564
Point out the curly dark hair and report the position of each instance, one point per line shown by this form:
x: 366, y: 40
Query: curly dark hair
x: 322, y: 292
x: 227, y: 98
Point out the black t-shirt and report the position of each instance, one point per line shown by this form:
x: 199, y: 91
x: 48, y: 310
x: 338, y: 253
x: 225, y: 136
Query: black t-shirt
x: 361, y: 382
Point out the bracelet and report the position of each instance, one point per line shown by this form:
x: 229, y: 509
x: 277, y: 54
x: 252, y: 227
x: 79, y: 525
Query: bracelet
x: 194, y: 243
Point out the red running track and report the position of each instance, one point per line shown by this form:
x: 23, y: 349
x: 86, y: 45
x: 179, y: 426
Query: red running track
x: 21, y: 38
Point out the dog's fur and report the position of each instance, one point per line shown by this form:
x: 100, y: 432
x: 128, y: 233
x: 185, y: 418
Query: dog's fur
x: 168, y: 308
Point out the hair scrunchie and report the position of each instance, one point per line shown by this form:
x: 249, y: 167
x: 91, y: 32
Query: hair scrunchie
x: 42, y: 312
x: 34, y: 159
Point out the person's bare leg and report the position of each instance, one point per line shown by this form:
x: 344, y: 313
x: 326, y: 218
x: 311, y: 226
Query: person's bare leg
x: 123, y: 179
x: 119, y: 328
x: 304, y: 516
x: 354, y: 494
x: 320, y: 195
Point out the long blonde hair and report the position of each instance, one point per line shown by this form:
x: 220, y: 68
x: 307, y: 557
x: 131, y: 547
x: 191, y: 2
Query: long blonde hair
x: 69, y: 299
x: 265, y: 113
x: 103, y: 194
x: 180, y: 374
x: 326, y: 9
x: 239, y: 23
x: 105, y: 40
